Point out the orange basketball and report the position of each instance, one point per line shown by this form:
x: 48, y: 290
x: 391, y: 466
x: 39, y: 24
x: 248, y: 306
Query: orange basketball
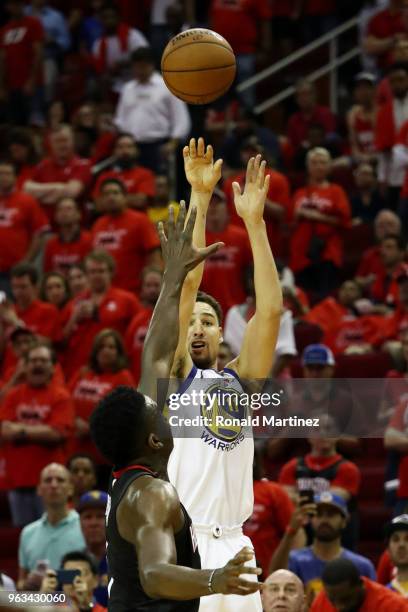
x: 198, y: 66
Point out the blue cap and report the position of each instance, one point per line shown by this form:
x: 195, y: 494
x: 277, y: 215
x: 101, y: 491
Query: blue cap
x: 92, y: 499
x: 318, y: 354
x: 330, y: 499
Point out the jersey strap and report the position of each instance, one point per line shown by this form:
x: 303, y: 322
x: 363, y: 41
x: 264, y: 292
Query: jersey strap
x: 119, y: 473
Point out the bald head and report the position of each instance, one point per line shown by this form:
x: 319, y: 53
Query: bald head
x: 386, y: 223
x: 283, y: 592
x: 55, y: 486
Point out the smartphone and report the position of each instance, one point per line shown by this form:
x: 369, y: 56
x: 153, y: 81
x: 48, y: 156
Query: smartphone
x: 307, y: 496
x: 67, y: 576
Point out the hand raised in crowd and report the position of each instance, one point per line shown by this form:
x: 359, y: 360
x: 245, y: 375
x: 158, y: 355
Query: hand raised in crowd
x: 80, y: 594
x: 301, y: 515
x: 251, y: 203
x: 227, y: 580
x: 201, y: 171
x: 49, y: 583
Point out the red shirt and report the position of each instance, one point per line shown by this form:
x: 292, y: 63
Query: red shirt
x: 399, y: 421
x: 330, y: 200
x: 17, y: 41
x: 59, y: 256
x: 50, y: 405
x: 25, y: 173
x: 58, y: 377
x: 134, y: 340
x: 385, y: 287
x: 129, y: 237
x: 116, y: 310
x: 279, y: 193
x: 299, y: 124
x: 395, y: 324
x: 238, y: 20
x: 385, y: 24
x: 378, y: 599
x: 402, y: 138
x: 370, y: 262
x: 42, y: 318
x: 348, y: 475
x: 266, y: 527
x: 364, y: 131
x: 137, y: 180
x: 223, y: 271
x: 20, y: 219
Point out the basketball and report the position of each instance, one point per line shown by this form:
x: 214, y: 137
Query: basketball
x: 198, y: 66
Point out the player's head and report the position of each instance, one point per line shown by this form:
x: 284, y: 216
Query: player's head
x: 283, y: 592
x: 205, y: 332
x: 128, y: 426
x: 343, y: 585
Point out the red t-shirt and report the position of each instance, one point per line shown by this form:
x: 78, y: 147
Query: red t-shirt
x: 385, y: 287
x: 238, y: 20
x: 299, y: 124
x: 134, y: 340
x: 385, y: 24
x: 330, y: 200
x: 378, y: 599
x: 129, y: 237
x: 20, y: 219
x: 50, y: 405
x: 386, y: 132
x: 278, y: 193
x: 42, y: 318
x: 17, y: 40
x: 266, y: 527
x: 385, y: 568
x: 364, y: 131
x: 223, y: 271
x: 137, y: 180
x: 402, y: 138
x: 59, y: 256
x: 399, y: 421
x: 370, y: 262
x: 348, y: 475
x: 116, y: 310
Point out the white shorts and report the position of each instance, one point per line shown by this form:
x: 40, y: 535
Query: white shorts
x: 216, y: 552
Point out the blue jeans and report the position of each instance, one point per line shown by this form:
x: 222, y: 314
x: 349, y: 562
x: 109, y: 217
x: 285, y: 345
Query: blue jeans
x: 25, y: 506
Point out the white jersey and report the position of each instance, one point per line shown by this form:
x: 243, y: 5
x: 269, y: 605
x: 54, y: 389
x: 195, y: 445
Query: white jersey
x: 212, y: 472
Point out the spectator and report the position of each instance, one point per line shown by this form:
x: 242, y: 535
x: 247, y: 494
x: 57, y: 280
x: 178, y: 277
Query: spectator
x: 91, y: 28
x: 55, y: 290
x: 70, y: 245
x: 284, y: 591
x: 309, y: 113
x: 22, y: 152
x: 113, y: 49
x: 137, y: 330
x: 384, y: 93
x: 91, y: 509
x: 63, y: 174
x: 21, y: 224
x: 344, y: 586
x: 396, y: 439
x: 106, y: 370
x: 246, y: 26
x: 322, y: 212
x: 79, y: 592
x: 57, y: 532
x: 85, y: 124
x: 225, y: 355
x: 147, y: 110
x: 158, y: 208
x: 384, y: 31
x: 361, y: 118
x: 21, y: 61
x: 127, y: 234
x: 36, y: 417
x: 139, y: 181
x: 328, y: 522
x: 98, y: 307
x: 83, y: 475
x: 77, y: 279
x: 366, y: 202
x: 395, y: 324
x: 397, y: 536
x: 21, y: 340
x: 316, y: 137
x: 385, y: 287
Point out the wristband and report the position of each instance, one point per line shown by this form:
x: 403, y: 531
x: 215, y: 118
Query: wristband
x: 290, y: 531
x: 210, y: 582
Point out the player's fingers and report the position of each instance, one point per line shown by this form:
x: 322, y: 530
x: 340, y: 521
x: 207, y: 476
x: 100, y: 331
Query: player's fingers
x: 162, y: 236
x: 218, y: 166
x: 200, y: 147
x: 245, y: 554
x: 256, y: 571
x: 170, y: 223
x: 186, y: 152
x: 266, y: 184
x: 193, y: 149
x: 257, y: 163
x: 181, y: 217
x: 212, y: 248
x: 261, y: 175
x: 191, y: 221
x: 236, y: 189
x: 250, y: 170
x: 209, y: 154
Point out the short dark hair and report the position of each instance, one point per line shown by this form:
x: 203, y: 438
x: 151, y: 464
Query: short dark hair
x: 399, y: 240
x: 79, y: 555
x: 117, y: 425
x: 113, y: 181
x: 25, y: 269
x: 121, y: 360
x: 340, y: 570
x: 142, y: 54
x: 75, y: 456
x: 208, y: 299
x: 101, y: 256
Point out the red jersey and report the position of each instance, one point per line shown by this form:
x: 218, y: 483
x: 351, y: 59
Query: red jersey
x: 399, y: 421
x: 129, y: 237
x: 17, y: 41
x: 50, y: 405
x: 378, y: 599
x: 59, y: 256
x: 42, y: 318
x: 116, y: 310
x: 364, y: 131
x: 20, y: 219
x: 299, y: 124
x: 266, y: 527
x: 402, y: 138
x: 224, y: 270
x: 385, y: 24
x: 330, y: 200
x: 385, y: 287
x: 136, y: 180
x: 238, y: 21
x: 134, y: 340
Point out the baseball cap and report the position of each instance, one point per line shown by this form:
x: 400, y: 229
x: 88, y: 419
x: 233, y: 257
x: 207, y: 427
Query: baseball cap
x: 317, y: 354
x: 365, y: 76
x: 399, y: 523
x: 92, y: 499
x: 330, y: 499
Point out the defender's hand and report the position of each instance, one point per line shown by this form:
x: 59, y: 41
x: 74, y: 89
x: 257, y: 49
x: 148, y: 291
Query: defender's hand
x: 227, y: 580
x: 201, y: 171
x: 250, y: 204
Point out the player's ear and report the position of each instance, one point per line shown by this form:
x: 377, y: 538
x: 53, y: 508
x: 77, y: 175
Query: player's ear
x: 154, y: 442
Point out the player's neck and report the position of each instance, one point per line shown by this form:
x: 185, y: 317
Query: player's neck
x: 327, y: 551
x: 152, y: 463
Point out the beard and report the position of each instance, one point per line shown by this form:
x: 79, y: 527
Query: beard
x: 125, y: 163
x: 328, y: 534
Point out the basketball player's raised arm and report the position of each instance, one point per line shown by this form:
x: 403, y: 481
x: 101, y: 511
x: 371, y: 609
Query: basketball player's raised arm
x: 203, y: 175
x: 180, y: 256
x: 258, y: 347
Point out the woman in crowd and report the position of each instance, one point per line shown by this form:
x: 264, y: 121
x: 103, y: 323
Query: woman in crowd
x: 55, y: 289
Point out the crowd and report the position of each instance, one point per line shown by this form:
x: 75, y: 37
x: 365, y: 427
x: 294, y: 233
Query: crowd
x: 90, y: 159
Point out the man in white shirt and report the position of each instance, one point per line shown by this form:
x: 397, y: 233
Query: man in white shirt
x: 149, y: 111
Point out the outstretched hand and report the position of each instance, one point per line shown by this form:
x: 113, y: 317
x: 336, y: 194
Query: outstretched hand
x: 250, y: 204
x: 228, y: 579
x: 201, y: 171
x: 178, y: 251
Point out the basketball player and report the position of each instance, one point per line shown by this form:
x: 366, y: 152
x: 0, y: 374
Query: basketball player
x: 152, y: 551
x: 213, y: 472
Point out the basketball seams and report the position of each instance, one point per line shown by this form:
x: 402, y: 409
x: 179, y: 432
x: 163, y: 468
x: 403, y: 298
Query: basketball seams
x: 196, y: 42
x: 209, y: 68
